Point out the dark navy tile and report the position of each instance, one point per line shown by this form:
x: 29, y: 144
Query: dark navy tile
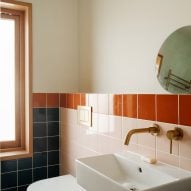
x: 53, y: 128
x: 53, y: 114
x: 53, y: 157
x: 22, y: 188
x: 9, y: 180
x: 39, y: 129
x: 39, y: 173
x: 25, y: 163
x: 40, y: 144
x: 10, y: 189
x: 39, y: 115
x: 53, y: 171
x: 39, y: 159
x: 53, y: 143
x: 24, y: 177
x: 8, y: 166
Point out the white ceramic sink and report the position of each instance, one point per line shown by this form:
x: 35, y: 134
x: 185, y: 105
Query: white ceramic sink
x: 121, y: 172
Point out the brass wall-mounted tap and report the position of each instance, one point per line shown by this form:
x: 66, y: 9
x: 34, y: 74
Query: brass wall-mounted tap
x: 176, y: 134
x: 154, y: 130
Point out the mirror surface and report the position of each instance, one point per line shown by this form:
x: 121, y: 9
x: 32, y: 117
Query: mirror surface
x: 173, y: 63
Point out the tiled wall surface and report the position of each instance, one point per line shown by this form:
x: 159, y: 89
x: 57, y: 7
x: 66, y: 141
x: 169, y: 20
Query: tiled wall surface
x: 114, y: 116
x: 16, y: 175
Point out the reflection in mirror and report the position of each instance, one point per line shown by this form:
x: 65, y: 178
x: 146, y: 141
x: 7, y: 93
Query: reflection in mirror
x: 173, y: 63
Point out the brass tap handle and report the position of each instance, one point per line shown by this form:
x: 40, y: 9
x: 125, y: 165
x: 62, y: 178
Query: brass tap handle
x: 170, y: 146
x: 176, y: 134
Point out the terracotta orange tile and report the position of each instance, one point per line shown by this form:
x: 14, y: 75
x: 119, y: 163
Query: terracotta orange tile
x: 83, y: 99
x: 167, y: 108
x: 70, y: 100
x: 77, y: 100
x: 185, y: 109
x: 117, y: 104
x: 52, y: 100
x: 130, y: 105
x: 39, y: 100
x: 146, y: 107
x: 63, y: 100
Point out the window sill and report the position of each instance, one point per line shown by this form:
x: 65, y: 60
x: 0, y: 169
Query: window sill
x: 15, y: 155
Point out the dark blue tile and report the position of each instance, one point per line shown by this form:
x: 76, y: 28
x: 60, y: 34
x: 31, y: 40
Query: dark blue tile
x: 53, y: 157
x: 23, y: 188
x: 40, y: 173
x: 53, y: 114
x: 53, y: 171
x: 10, y: 189
x: 39, y: 159
x: 39, y: 129
x: 8, y: 166
x: 24, y: 177
x: 53, y: 143
x: 39, y: 115
x: 9, y: 180
x: 53, y: 128
x: 25, y: 163
x: 40, y: 144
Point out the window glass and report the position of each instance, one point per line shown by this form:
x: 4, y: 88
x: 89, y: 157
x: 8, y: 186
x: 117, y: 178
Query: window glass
x: 7, y: 79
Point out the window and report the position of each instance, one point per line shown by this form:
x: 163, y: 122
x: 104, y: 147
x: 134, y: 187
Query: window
x: 15, y: 79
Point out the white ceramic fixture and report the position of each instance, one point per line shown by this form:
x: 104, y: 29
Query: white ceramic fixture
x: 127, y: 172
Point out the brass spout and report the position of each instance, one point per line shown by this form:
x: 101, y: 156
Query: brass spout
x: 154, y: 130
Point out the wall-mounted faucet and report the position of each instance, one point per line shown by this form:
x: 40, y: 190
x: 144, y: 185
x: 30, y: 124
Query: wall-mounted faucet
x: 176, y: 134
x: 154, y: 130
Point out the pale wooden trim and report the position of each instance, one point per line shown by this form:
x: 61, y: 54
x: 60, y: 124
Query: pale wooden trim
x: 26, y: 148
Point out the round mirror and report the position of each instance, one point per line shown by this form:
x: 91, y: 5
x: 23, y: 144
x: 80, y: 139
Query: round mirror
x: 173, y: 63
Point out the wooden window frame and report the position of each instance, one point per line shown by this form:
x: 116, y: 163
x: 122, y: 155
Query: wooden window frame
x: 21, y: 13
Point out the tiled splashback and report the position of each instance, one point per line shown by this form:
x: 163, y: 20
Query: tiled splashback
x: 114, y: 115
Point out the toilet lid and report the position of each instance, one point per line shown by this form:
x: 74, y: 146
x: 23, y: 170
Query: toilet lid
x: 61, y: 183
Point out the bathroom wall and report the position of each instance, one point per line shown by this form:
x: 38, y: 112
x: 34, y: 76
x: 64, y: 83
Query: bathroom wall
x: 119, y: 42
x: 55, y: 45
x: 114, y: 115
x: 16, y: 175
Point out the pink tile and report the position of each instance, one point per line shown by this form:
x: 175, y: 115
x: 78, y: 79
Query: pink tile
x: 109, y: 145
x: 115, y: 127
x: 147, y: 152
x: 185, y: 143
x: 131, y: 147
x: 103, y: 124
x: 129, y: 124
x: 93, y: 101
x: 168, y: 158
x: 68, y: 116
x: 146, y: 139
x: 163, y: 143
x: 68, y: 164
x: 95, y: 122
x: 85, y: 152
x: 103, y: 103
x: 185, y: 163
x: 87, y: 138
x: 69, y: 133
